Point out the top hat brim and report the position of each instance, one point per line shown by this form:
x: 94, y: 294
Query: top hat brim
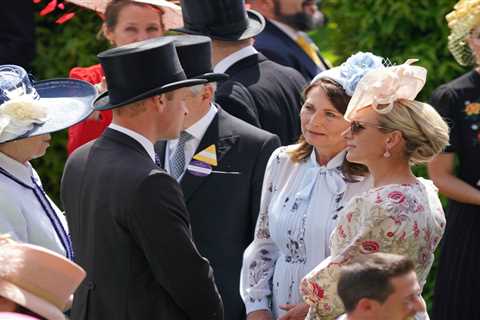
x: 213, y: 77
x: 102, y: 102
x: 256, y: 24
x: 67, y: 102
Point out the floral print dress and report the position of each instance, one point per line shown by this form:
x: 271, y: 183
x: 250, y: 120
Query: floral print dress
x: 299, y: 210
x: 405, y: 219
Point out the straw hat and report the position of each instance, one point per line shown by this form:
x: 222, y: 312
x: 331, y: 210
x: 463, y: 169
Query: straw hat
x: 464, y: 17
x: 37, y: 279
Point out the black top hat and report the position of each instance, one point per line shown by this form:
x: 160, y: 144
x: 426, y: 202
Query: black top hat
x: 226, y: 20
x: 140, y: 70
x: 195, y: 54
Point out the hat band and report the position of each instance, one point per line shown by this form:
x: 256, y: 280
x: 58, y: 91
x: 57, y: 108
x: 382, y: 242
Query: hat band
x: 119, y: 95
x: 236, y: 27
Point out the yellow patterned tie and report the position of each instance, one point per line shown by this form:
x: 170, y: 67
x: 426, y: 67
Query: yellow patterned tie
x: 309, y: 48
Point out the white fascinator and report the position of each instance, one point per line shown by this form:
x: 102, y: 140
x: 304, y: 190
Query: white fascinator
x: 380, y: 88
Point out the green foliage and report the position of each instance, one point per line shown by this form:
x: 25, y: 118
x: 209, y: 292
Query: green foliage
x: 395, y: 29
x: 59, y: 48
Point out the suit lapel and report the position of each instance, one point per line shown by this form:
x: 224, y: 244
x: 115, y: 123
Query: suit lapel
x: 160, y: 149
x: 223, y: 139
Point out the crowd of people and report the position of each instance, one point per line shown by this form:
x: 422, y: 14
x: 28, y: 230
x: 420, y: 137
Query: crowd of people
x: 228, y: 171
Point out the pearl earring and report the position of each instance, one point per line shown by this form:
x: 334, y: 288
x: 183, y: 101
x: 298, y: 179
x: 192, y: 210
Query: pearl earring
x: 387, y: 154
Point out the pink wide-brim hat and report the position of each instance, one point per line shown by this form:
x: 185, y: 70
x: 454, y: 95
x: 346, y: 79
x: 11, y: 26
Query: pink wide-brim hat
x: 15, y: 316
x: 171, y: 18
x: 38, y: 279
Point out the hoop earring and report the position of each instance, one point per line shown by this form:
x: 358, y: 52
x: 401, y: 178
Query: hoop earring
x: 387, y: 154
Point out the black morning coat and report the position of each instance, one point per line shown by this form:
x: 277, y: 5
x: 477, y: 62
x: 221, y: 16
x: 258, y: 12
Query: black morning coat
x: 264, y: 94
x: 224, y: 207
x: 131, y: 232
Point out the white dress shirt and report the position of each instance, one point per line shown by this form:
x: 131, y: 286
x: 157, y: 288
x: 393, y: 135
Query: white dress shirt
x: 197, y: 131
x: 147, y: 144
x: 22, y: 215
x: 223, y: 65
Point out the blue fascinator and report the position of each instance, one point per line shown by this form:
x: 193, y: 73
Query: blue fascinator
x: 349, y: 73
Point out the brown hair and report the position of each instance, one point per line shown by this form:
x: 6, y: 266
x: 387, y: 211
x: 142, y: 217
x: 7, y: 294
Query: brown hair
x: 368, y: 276
x: 340, y: 99
x: 114, y: 8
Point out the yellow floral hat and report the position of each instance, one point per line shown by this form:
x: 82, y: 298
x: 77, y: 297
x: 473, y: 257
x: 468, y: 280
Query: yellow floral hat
x: 464, y: 17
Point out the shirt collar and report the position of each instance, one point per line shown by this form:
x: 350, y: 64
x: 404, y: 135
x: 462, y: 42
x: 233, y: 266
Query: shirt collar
x: 21, y: 171
x: 289, y: 31
x: 147, y: 144
x: 198, y: 129
x: 334, y: 163
x: 223, y: 65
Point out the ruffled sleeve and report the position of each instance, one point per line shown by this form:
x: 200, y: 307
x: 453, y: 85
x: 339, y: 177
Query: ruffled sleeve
x: 260, y: 256
x: 369, y: 225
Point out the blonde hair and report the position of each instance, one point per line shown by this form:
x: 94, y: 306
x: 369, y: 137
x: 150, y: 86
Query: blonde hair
x: 425, y: 132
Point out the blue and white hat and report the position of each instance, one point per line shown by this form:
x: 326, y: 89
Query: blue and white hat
x: 28, y: 110
x: 349, y: 73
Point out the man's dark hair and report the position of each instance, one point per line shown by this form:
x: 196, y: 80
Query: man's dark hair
x: 369, y: 277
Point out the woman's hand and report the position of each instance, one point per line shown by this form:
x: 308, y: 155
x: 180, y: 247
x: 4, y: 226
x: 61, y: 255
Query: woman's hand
x: 260, y: 315
x: 294, y: 311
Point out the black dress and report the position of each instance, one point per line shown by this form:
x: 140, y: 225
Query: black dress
x: 458, y: 278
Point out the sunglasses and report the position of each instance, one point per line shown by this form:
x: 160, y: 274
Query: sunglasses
x: 358, y: 126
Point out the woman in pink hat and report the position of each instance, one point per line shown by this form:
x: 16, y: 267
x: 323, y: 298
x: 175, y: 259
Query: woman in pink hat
x: 35, y: 281
x: 125, y: 21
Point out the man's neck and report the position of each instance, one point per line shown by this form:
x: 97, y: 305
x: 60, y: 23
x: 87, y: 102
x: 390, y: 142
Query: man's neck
x: 222, y: 49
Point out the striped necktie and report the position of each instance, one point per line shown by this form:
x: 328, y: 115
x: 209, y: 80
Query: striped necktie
x: 177, y: 160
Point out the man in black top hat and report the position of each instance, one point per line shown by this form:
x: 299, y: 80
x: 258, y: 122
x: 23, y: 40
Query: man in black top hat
x: 223, y: 162
x: 259, y: 91
x: 129, y: 225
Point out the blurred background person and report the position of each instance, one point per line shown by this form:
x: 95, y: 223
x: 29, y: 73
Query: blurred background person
x: 28, y: 114
x: 380, y: 286
x: 401, y: 214
x: 456, y: 172
x: 305, y: 187
x: 35, y: 281
x: 284, y: 39
x: 125, y: 21
x: 17, y: 33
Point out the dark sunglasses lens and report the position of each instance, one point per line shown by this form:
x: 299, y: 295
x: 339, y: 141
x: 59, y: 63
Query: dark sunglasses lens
x: 356, y: 127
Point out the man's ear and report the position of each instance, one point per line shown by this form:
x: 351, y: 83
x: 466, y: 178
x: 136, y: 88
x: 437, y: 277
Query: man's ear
x: 159, y: 102
x: 207, y: 92
x: 367, y: 306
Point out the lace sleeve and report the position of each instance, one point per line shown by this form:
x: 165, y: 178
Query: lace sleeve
x: 260, y: 256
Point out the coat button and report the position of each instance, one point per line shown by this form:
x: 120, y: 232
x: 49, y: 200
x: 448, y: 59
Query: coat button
x: 91, y: 285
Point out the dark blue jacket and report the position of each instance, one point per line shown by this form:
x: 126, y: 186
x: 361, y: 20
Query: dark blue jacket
x: 277, y: 46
